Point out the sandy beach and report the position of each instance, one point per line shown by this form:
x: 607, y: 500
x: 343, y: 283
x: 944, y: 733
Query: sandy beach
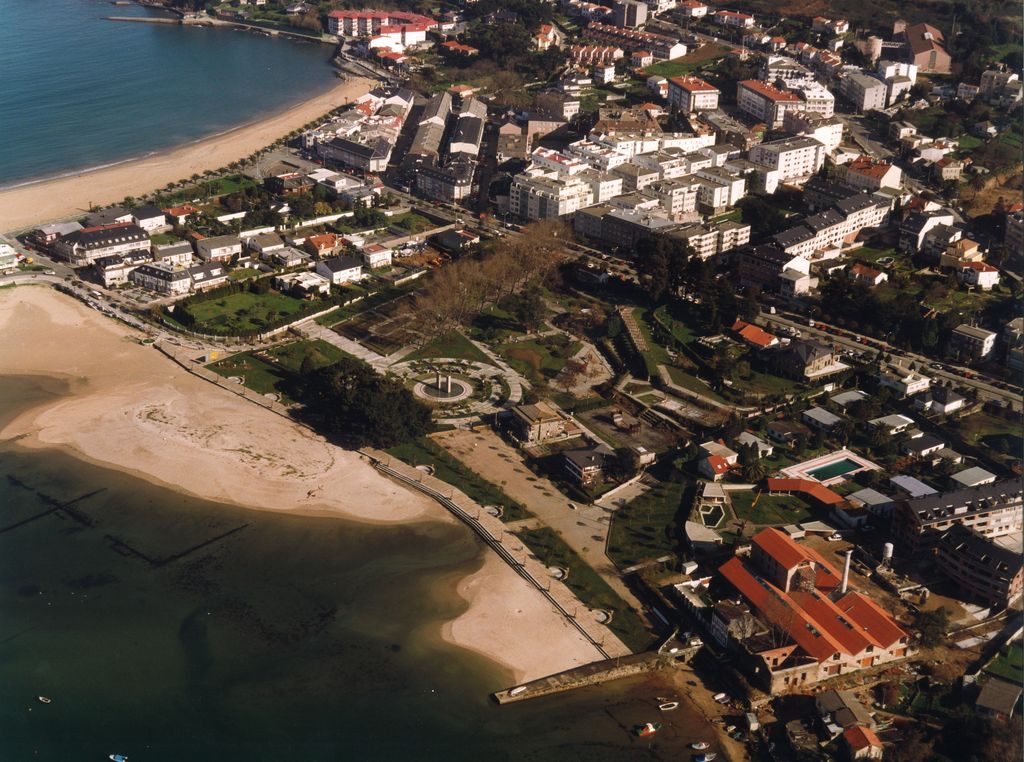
x: 132, y: 409
x: 41, y: 202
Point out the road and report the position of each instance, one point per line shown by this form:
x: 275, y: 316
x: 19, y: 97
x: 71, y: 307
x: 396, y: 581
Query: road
x: 900, y: 357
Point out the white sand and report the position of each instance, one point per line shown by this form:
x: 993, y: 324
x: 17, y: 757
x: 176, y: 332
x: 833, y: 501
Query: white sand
x: 34, y: 204
x: 134, y: 410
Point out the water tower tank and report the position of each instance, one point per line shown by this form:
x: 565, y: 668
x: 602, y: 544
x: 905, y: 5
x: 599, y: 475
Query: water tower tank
x: 887, y: 550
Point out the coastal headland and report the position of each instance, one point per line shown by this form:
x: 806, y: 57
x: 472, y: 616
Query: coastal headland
x: 37, y: 203
x: 131, y: 409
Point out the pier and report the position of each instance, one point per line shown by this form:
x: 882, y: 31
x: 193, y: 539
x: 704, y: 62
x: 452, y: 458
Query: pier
x: 595, y: 673
x: 143, y: 19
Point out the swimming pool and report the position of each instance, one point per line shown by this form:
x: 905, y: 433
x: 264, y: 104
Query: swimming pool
x: 834, y: 469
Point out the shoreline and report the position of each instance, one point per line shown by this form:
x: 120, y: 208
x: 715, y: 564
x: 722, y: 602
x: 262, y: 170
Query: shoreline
x: 36, y: 202
x: 129, y: 409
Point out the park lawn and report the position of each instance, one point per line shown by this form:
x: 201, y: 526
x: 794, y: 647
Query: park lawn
x: 968, y: 142
x: 452, y: 346
x: 689, y: 63
x: 647, y: 527
x: 765, y: 383
x: 257, y: 374
x: 291, y: 356
x: 1010, y: 663
x: 681, y: 331
x: 537, y: 359
x: 425, y: 452
x: 495, y: 324
x: 243, y: 312
x: 587, y: 584
x: 1001, y: 436
x: 770, y: 509
x: 681, y: 378
x: 414, y: 223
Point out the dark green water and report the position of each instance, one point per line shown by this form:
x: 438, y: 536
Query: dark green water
x: 169, y: 628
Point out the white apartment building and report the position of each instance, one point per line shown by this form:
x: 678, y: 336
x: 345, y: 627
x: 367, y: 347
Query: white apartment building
x: 554, y: 161
x: 816, y: 97
x: 541, y: 197
x: 973, y: 342
x: 718, y: 189
x: 677, y: 197
x: 891, y: 69
x: 827, y: 131
x: 689, y: 94
x: 793, y: 158
x: 863, y: 91
x: 766, y: 103
x: 85, y: 246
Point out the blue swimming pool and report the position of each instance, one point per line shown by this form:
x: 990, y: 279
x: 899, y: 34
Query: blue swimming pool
x: 834, y: 469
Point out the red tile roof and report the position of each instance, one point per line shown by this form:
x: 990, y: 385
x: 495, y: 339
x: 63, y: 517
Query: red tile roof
x: 718, y: 464
x: 753, y: 334
x: 867, y: 167
x: 870, y: 616
x: 860, y: 737
x: 769, y: 91
x: 814, y: 489
x: 781, y: 610
x: 979, y: 266
x: 693, y: 84
x: 811, y: 620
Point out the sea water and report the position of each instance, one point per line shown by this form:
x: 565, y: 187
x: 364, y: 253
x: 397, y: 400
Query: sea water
x: 169, y: 628
x: 78, y: 91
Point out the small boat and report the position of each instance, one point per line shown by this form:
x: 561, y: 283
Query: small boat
x: 730, y: 728
x: 721, y: 697
x: 705, y: 757
x: 668, y: 706
x: 119, y: 757
x: 517, y: 691
x: 699, y: 745
x: 649, y: 729
x: 45, y: 700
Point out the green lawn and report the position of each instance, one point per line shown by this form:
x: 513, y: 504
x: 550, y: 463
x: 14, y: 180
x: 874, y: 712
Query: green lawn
x: 681, y: 378
x: 291, y: 356
x: 1010, y: 663
x: 588, y: 586
x: 453, y: 346
x: 541, y: 359
x: 689, y: 63
x: 414, y: 223
x: 997, y: 434
x: 257, y: 374
x: 164, y: 238
x: 264, y: 372
x: 245, y: 312
x: 770, y: 509
x: 424, y: 452
x: 495, y: 324
x: 648, y: 527
x: 765, y: 383
x: 243, y: 273
x: 968, y: 142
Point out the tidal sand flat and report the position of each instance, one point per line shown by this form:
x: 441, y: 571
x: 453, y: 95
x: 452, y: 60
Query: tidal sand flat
x: 130, y: 409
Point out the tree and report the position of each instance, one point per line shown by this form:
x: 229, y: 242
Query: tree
x: 932, y: 626
x: 353, y: 404
x: 529, y: 309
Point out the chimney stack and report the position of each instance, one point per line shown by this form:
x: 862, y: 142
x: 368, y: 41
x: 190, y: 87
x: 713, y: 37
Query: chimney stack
x: 846, y: 572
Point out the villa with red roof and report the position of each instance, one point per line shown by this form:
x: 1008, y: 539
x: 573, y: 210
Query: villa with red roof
x: 816, y: 631
x: 862, y: 742
x: 870, y: 175
x: 754, y: 335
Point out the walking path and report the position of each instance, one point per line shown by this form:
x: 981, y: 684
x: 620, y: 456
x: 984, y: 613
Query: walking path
x: 313, y: 330
x: 504, y: 542
x: 584, y: 529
